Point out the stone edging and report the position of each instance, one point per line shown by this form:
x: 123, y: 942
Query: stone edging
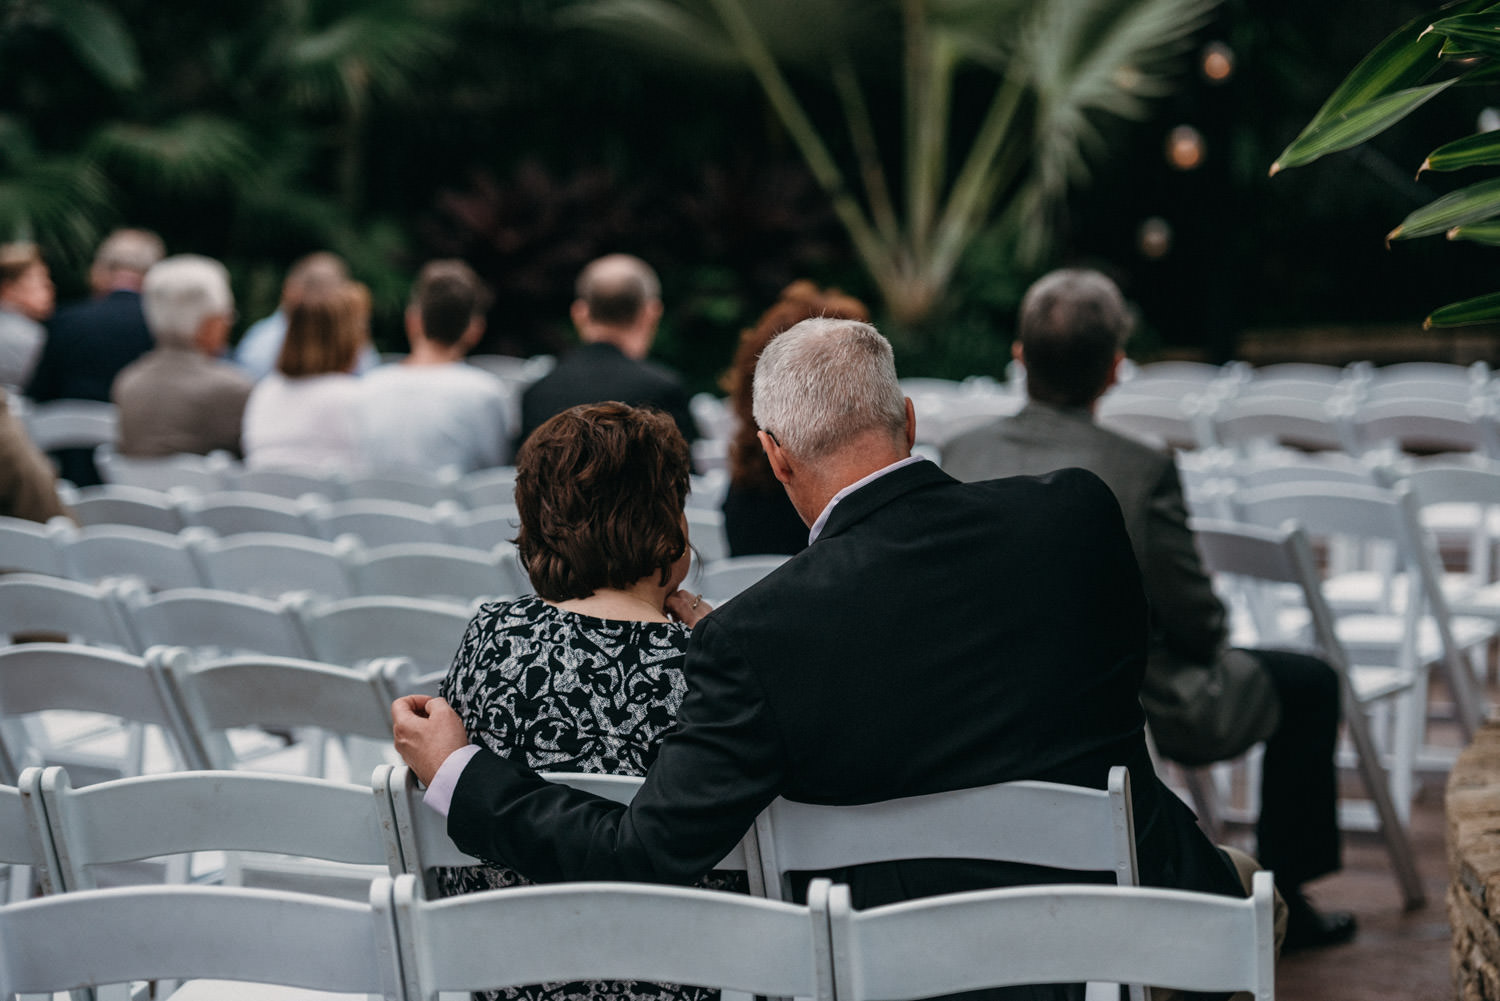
x: 1473, y: 811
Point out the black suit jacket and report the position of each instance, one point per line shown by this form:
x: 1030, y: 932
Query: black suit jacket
x: 594, y: 373
x: 936, y: 636
x: 87, y: 345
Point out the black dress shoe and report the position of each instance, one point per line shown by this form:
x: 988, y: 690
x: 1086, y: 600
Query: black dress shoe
x: 1309, y: 928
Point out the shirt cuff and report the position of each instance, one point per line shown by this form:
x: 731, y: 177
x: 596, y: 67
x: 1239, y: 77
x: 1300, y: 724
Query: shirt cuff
x: 439, y: 795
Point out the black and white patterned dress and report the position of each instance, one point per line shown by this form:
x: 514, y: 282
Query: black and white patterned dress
x: 572, y: 693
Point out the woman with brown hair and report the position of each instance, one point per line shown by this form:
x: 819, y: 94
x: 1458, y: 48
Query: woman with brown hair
x: 26, y: 299
x: 586, y: 674
x: 758, y: 517
x: 303, y: 413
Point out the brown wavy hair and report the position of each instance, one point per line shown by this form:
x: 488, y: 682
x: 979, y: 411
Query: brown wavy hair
x: 600, y: 490
x: 748, y: 466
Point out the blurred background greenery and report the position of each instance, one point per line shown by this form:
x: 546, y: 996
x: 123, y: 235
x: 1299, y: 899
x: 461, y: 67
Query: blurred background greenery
x: 929, y: 156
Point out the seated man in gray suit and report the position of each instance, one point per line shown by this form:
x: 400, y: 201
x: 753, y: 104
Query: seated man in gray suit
x: 1204, y: 700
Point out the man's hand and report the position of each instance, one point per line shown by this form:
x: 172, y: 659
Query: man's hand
x: 427, y: 731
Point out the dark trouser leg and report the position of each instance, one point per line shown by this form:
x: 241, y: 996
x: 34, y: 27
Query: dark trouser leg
x: 1298, y: 833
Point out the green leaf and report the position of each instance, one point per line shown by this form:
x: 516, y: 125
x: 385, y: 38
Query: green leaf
x: 1480, y: 32
x: 99, y: 38
x: 1475, y: 203
x: 1480, y: 309
x: 1403, y: 60
x: 1487, y: 233
x: 1353, y: 127
x: 1470, y: 151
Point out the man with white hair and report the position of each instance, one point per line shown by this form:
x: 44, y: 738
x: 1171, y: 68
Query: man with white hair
x: 616, y: 311
x: 934, y: 635
x: 180, y: 397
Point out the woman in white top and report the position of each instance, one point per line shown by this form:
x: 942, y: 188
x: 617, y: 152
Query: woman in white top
x: 303, y: 413
x: 26, y: 299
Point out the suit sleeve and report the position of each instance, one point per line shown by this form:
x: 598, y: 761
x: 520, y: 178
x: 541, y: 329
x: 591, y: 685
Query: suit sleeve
x: 1188, y: 613
x: 714, y: 773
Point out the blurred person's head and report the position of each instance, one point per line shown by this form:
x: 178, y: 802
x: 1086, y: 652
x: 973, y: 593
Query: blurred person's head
x: 325, y: 331
x: 1071, y: 336
x: 122, y: 260
x: 799, y: 301
x: 25, y: 282
x: 448, y: 305
x: 316, y: 272
x: 601, y: 490
x: 188, y: 303
x: 618, y: 301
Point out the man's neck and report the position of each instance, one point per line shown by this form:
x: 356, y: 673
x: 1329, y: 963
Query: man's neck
x: 427, y: 352
x: 824, y: 478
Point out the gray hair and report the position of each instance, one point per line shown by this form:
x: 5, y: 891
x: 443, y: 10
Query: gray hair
x: 615, y: 288
x: 824, y: 381
x: 1073, y: 321
x: 180, y: 293
x: 132, y: 250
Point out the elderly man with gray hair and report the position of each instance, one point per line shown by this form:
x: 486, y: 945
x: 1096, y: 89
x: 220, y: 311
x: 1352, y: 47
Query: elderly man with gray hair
x: 180, y: 397
x: 934, y: 635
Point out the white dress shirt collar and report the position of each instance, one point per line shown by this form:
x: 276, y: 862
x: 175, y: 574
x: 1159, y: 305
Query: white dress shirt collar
x: 817, y: 527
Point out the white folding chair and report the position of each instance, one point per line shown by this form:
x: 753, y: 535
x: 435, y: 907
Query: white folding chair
x: 1175, y: 421
x: 72, y: 678
x: 95, y: 938
x: 383, y: 522
x: 200, y: 473
x: 423, y: 835
x: 28, y: 859
x: 484, y: 527
x: 430, y: 570
x: 486, y: 487
x: 223, y: 697
x: 706, y: 534
x: 1248, y: 556
x: 32, y: 547
x: 613, y: 931
x: 1460, y: 505
x: 422, y: 487
x: 360, y: 629
x: 1426, y: 425
x: 113, y: 504
x: 222, y: 621
x: 1312, y: 423
x: 157, y: 559
x: 292, y: 484
x: 101, y: 833
x: 1054, y: 934
x: 71, y: 424
x: 724, y: 578
x: 84, y: 612
x: 270, y: 564
x: 231, y: 512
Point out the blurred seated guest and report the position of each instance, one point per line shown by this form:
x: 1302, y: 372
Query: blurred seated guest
x: 260, y: 346
x: 1204, y: 700
x: 616, y: 312
x: 305, y: 413
x: 758, y: 516
x: 89, y: 343
x: 586, y: 674
x: 26, y: 299
x: 28, y: 487
x: 180, y: 397
x: 432, y: 410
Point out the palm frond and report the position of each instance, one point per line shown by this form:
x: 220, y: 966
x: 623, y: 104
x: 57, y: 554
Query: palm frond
x: 190, y: 154
x: 99, y: 38
x: 61, y: 202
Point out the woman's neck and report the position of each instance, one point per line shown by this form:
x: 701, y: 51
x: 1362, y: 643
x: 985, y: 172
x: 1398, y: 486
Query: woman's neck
x: 643, y: 601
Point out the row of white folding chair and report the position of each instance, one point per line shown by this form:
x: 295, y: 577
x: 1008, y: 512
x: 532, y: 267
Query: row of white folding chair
x: 264, y: 563
x: 1432, y: 380
x: 406, y: 948
x: 1253, y: 568
x: 199, y: 711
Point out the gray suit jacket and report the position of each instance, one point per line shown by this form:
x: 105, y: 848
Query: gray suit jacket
x: 1204, y: 701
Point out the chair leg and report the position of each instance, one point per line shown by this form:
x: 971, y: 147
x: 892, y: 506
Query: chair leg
x: 1377, y: 784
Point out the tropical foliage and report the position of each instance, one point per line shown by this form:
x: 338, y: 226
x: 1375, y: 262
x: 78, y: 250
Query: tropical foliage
x: 998, y: 106
x: 1458, y: 46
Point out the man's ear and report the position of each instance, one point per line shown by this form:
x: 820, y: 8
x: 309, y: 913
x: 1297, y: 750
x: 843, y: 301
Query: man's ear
x: 472, y: 334
x: 413, y: 325
x: 779, y: 464
x: 911, y: 424
x: 579, y: 311
x: 1114, y: 371
x: 1017, y: 352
